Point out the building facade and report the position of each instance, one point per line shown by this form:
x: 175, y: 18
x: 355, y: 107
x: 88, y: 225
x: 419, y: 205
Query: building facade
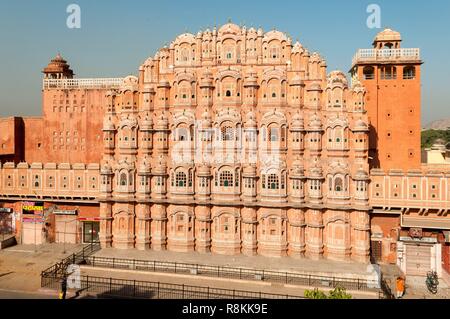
x: 229, y: 141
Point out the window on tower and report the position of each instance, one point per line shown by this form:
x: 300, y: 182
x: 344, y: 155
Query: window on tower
x: 409, y: 73
x: 369, y: 73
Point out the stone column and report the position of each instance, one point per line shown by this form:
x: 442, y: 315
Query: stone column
x: 159, y: 227
x: 361, y: 236
x: 296, y: 233
x: 202, y: 229
x: 143, y: 226
x: 314, y: 234
x: 105, y: 225
x: 249, y: 236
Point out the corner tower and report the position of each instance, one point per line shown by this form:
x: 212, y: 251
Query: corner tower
x: 391, y: 75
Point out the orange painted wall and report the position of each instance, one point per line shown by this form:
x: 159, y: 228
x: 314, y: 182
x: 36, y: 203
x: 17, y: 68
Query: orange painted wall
x: 394, y: 110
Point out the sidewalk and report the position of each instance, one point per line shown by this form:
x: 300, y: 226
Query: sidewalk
x: 21, y: 265
x: 321, y: 267
x: 224, y: 283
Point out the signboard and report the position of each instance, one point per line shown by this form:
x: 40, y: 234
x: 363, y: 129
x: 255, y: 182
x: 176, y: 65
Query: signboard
x: 32, y: 208
x: 6, y: 210
x: 89, y: 219
x: 33, y: 220
x: 65, y: 212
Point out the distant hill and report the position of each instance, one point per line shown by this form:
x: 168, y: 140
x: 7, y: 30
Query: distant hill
x: 442, y: 124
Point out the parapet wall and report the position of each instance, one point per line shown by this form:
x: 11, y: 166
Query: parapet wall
x: 49, y: 181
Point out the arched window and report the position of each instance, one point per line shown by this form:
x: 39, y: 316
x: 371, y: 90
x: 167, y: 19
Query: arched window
x: 226, y: 179
x: 184, y: 56
x: 409, y: 73
x: 181, y: 179
x: 338, y: 184
x: 123, y: 179
x: 273, y: 181
x: 182, y: 134
x: 369, y: 73
x: 274, y: 52
x: 228, y: 93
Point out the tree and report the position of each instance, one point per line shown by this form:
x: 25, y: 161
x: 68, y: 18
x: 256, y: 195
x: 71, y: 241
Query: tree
x: 336, y: 293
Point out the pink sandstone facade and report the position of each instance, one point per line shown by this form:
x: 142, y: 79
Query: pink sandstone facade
x: 234, y: 141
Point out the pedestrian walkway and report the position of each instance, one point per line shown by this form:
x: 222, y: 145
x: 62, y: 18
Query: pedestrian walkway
x: 323, y: 267
x: 21, y: 265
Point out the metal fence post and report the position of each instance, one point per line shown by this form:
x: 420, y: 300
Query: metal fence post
x: 134, y: 263
x: 87, y: 282
x: 157, y: 297
x: 134, y: 288
x: 93, y: 261
x: 286, y: 277
x: 309, y: 280
x: 208, y: 293
x: 218, y: 271
x: 110, y: 284
x: 113, y: 260
x: 154, y: 266
x: 182, y: 296
x: 240, y: 273
x: 358, y: 283
x: 175, y: 267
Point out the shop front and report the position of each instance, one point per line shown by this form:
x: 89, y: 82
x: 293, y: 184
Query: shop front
x: 419, y: 252
x: 66, y: 226
x: 33, y: 230
x: 91, y: 229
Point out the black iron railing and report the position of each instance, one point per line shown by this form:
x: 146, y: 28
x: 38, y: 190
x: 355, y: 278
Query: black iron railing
x: 59, y: 268
x: 104, y: 287
x: 235, y: 273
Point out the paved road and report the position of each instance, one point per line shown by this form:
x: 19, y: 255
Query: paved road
x: 15, y: 294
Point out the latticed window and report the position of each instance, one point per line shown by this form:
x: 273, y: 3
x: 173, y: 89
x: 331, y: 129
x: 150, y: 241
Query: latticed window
x: 182, y: 134
x: 273, y: 181
x: 226, y: 179
x: 275, y: 52
x: 123, y: 179
x: 181, y: 179
x: 273, y: 135
x: 263, y: 181
x: 227, y: 133
x: 338, y: 184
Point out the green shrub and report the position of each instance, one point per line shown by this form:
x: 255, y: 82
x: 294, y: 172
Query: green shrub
x: 336, y: 293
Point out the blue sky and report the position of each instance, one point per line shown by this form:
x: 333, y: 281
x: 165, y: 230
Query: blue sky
x: 117, y: 36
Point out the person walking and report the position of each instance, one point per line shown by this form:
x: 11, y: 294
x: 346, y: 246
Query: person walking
x: 400, y: 287
x: 63, y: 291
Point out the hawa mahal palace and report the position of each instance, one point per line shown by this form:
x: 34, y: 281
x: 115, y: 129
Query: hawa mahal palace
x: 233, y: 141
